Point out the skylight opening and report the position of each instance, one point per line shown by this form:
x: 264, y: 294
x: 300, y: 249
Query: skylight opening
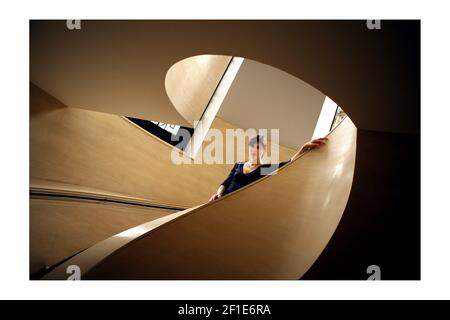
x: 211, y: 110
x: 170, y: 133
x: 330, y: 116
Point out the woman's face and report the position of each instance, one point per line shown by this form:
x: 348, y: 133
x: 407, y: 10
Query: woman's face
x: 256, y: 151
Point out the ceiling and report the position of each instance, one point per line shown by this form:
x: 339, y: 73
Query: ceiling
x: 120, y: 66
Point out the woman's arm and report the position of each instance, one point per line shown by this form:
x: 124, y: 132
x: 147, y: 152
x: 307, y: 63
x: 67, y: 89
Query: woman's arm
x: 224, y: 184
x: 218, y: 194
x: 309, y: 146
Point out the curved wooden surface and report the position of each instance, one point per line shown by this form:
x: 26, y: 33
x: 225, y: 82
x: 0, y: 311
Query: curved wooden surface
x: 62, y: 226
x: 191, y: 82
x: 47, y: 188
x: 274, y: 228
x: 107, y: 154
x: 66, y: 218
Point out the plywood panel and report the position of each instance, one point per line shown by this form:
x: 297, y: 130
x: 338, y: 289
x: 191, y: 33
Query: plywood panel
x: 61, y: 228
x: 190, y: 83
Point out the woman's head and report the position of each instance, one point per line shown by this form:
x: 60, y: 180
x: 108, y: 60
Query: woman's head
x: 257, y: 146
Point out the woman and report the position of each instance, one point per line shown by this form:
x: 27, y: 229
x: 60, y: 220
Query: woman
x: 244, y: 173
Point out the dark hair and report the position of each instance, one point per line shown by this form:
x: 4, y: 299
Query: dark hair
x: 258, y: 139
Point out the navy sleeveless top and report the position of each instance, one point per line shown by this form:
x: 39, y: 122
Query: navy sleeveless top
x: 237, y: 178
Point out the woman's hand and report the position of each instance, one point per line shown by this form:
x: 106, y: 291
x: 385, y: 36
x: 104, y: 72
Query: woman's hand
x: 314, y: 144
x: 218, y: 194
x: 214, y: 197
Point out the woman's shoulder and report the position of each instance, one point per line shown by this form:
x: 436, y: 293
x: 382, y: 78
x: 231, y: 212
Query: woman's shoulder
x: 238, y: 164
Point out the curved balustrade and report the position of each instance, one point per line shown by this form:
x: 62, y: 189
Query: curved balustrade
x: 274, y: 228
